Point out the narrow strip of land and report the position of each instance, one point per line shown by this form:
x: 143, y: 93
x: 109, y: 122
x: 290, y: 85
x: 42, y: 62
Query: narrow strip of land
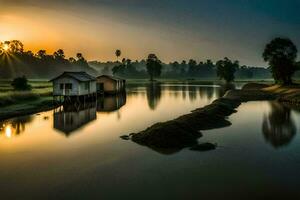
x: 184, y: 131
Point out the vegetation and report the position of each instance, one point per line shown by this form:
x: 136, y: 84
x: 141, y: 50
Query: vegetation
x: 172, y: 136
x: 176, y: 70
x: 15, y: 62
x: 21, y: 84
x: 154, y: 66
x: 226, y: 69
x: 118, y: 53
x: 17, y: 97
x: 125, y: 69
x: 281, y: 54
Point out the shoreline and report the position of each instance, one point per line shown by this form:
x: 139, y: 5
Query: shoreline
x: 183, y: 132
x: 32, y: 108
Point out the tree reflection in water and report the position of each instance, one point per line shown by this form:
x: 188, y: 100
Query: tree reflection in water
x: 224, y: 88
x: 153, y: 95
x: 15, y: 126
x: 278, y: 126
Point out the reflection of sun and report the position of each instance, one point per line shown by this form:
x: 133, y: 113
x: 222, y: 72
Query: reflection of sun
x: 8, y: 131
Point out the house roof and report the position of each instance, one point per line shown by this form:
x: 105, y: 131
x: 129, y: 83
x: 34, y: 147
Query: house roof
x: 112, y: 77
x: 80, y: 76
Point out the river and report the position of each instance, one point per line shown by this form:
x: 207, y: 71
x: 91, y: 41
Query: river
x: 77, y: 153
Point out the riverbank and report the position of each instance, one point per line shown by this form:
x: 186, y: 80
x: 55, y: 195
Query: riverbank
x: 27, y: 108
x: 184, y: 131
x: 18, y: 103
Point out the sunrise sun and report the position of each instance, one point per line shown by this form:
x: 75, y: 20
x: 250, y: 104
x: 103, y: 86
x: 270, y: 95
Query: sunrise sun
x: 5, y: 47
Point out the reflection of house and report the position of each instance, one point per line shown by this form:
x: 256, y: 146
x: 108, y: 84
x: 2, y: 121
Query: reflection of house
x: 109, y: 84
x: 74, y: 84
x: 111, y: 103
x: 68, y: 119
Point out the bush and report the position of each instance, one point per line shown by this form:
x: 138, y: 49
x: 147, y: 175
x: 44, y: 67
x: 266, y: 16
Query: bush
x: 21, y: 83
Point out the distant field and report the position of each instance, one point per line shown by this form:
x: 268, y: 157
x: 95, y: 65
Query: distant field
x: 40, y: 90
x: 38, y: 87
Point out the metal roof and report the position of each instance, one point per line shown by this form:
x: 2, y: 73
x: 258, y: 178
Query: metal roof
x: 80, y: 76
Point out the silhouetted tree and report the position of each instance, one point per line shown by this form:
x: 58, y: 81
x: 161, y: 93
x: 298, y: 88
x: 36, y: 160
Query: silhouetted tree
x: 154, y: 66
x: 41, y: 54
x: 21, y: 83
x: 79, y: 56
x: 281, y: 54
x: 59, y: 54
x: 118, y: 53
x: 72, y: 60
x: 226, y: 69
x: 81, y: 61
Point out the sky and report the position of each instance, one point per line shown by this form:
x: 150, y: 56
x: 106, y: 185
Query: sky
x: 172, y: 29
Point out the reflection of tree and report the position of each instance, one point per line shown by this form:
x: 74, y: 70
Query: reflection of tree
x: 153, y: 95
x: 224, y: 88
x: 15, y: 126
x: 278, y: 127
x: 183, y: 91
x: 192, y: 93
x: 207, y: 92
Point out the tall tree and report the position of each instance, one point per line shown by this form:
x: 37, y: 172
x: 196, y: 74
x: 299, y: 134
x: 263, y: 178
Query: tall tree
x: 79, y: 56
x: 118, y: 53
x: 281, y: 54
x: 226, y: 69
x: 59, y: 54
x: 154, y: 66
x: 41, y: 54
x: 16, y: 46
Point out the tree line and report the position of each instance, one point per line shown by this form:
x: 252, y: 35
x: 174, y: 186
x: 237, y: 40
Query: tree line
x: 177, y: 70
x: 280, y: 54
x: 14, y: 62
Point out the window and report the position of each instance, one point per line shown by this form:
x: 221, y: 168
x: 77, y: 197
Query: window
x: 87, y: 86
x: 61, y: 86
x: 68, y: 86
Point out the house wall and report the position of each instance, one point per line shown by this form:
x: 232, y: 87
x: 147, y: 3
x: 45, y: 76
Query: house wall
x: 84, y: 91
x: 64, y: 80
x: 78, y: 88
x: 110, y: 85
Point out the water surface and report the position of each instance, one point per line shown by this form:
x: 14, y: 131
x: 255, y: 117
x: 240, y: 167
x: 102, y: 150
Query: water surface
x: 76, y: 153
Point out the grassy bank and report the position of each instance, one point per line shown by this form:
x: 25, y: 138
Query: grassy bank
x: 288, y: 94
x: 16, y: 103
x: 26, y: 108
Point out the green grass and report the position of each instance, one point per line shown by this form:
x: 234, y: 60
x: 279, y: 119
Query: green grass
x: 8, y: 96
x: 26, y: 107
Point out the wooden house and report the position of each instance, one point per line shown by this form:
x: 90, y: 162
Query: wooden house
x: 74, y: 84
x: 110, y: 84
